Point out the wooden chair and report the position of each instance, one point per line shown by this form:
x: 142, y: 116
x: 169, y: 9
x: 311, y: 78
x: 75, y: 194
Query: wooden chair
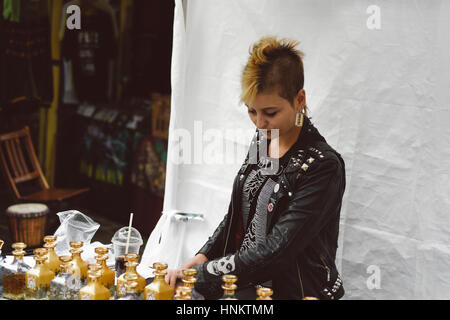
x: 20, y: 166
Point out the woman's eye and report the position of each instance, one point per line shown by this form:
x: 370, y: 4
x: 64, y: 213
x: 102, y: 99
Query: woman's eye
x: 271, y: 114
x: 252, y: 111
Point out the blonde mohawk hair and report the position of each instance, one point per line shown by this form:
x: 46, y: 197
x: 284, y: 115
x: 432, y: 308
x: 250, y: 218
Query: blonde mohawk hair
x: 273, y: 66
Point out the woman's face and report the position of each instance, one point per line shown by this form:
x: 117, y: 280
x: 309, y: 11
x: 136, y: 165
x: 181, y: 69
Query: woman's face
x: 270, y: 111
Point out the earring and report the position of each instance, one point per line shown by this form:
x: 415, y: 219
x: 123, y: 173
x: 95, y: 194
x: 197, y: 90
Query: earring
x: 299, y: 117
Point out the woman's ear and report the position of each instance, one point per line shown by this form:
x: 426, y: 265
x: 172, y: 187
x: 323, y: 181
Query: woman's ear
x: 300, y: 101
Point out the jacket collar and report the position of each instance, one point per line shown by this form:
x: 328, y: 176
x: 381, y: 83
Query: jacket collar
x: 308, y: 136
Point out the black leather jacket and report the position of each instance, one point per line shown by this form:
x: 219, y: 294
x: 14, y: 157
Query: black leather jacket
x: 299, y: 252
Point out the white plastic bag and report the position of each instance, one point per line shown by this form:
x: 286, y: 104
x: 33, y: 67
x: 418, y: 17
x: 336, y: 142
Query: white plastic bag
x: 167, y: 240
x: 75, y: 226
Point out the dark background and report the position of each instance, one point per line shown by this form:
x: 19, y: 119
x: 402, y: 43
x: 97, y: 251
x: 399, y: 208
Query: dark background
x: 146, y: 70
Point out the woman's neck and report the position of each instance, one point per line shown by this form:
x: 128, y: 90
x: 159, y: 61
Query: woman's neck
x: 284, y: 142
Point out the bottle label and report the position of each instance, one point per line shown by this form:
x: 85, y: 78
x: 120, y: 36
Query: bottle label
x: 31, y: 283
x: 85, y: 296
x: 122, y: 289
x: 150, y: 296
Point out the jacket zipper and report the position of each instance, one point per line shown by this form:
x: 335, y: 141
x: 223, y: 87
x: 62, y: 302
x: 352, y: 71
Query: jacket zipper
x: 229, y: 225
x: 300, y: 278
x: 228, y: 235
x: 328, y: 270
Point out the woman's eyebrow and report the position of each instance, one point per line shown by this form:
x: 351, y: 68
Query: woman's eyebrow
x: 265, y: 108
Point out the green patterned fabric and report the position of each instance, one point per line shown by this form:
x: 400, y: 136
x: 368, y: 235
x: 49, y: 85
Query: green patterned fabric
x: 11, y: 10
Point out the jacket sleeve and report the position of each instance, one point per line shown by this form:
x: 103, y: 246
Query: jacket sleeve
x: 316, y: 197
x: 211, y: 249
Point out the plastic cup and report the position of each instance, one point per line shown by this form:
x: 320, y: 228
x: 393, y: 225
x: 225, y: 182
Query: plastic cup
x: 119, y: 242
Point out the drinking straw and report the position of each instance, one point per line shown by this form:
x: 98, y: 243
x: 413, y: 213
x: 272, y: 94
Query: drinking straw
x: 129, y: 232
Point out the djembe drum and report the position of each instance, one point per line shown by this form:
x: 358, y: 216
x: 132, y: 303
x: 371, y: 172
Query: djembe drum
x: 27, y: 222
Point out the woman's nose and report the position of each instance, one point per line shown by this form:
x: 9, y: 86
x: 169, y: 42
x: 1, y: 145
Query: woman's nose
x: 261, y: 122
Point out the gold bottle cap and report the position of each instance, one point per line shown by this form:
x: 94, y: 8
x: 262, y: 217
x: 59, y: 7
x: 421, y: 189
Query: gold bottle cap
x: 65, y: 261
x: 189, y: 282
x: 19, y: 246
x: 131, y: 281
x: 65, y: 258
x: 264, y: 293
x: 101, y: 258
x: 131, y: 264
x: 310, y: 298
x: 189, y: 272
x: 40, y: 252
x: 50, y: 239
x: 40, y: 258
x: 229, y: 287
x: 75, y: 251
x: 159, y: 266
x: 49, y: 245
x: 101, y: 250
x: 18, y: 253
x: 130, y: 276
x: 94, y: 274
x: 229, y: 278
x: 94, y: 267
x: 131, y: 257
x: 1, y: 244
x: 76, y: 244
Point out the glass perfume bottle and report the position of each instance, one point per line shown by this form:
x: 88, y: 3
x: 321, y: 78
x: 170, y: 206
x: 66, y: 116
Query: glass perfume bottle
x: 2, y: 261
x: 183, y: 293
x: 229, y: 287
x: 94, y: 290
x: 159, y: 289
x: 189, y: 280
x: 14, y: 274
x: 131, y: 285
x: 92, y: 267
x: 65, y: 285
x: 52, y: 260
x: 38, y: 278
x: 264, y: 293
x: 108, y: 276
x: 130, y: 268
x: 80, y: 266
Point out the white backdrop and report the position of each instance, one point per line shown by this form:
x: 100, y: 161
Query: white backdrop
x: 376, y: 77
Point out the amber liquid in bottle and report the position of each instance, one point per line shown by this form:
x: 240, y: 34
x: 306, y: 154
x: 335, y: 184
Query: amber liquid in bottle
x: 94, y: 290
x: 14, y: 274
x: 65, y: 286
x: 108, y: 276
x: 131, y: 268
x: 52, y: 258
x: 130, y: 286
x: 38, y: 279
x: 80, y: 267
x: 159, y: 289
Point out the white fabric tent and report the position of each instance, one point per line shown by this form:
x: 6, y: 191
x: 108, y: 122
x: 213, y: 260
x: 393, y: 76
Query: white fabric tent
x: 376, y: 79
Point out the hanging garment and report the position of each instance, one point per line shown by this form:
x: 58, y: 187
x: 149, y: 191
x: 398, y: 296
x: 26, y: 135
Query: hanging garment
x: 90, y: 50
